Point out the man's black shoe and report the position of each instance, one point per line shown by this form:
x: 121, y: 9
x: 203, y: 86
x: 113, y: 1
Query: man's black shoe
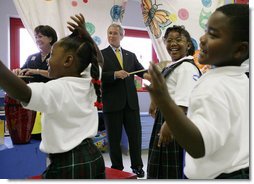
x: 139, y: 172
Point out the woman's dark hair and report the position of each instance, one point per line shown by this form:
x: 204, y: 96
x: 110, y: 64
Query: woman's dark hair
x: 239, y: 20
x: 181, y: 30
x: 47, y: 31
x: 85, y: 52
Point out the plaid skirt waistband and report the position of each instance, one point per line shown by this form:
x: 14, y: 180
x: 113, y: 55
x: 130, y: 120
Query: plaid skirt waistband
x: 87, y: 141
x: 82, y: 162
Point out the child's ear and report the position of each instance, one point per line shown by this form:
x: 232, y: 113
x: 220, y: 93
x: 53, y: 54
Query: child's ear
x: 68, y: 61
x: 242, y: 51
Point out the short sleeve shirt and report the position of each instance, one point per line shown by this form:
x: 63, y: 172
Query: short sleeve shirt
x: 68, y: 112
x: 219, y: 107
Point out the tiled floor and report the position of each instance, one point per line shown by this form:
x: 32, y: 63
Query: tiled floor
x: 126, y: 161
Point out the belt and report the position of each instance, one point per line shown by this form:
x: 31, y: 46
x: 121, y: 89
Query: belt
x: 244, y: 171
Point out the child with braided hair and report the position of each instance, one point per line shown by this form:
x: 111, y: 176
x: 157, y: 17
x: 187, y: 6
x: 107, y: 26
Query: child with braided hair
x: 69, y: 114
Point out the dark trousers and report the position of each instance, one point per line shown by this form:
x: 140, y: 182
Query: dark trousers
x: 114, y: 122
x: 239, y: 174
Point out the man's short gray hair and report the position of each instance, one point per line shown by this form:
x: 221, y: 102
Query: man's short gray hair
x: 121, y: 29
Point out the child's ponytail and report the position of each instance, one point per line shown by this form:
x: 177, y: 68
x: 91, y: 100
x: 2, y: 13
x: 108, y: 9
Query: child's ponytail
x: 83, y: 46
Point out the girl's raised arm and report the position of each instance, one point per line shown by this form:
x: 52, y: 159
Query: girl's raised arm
x: 14, y: 86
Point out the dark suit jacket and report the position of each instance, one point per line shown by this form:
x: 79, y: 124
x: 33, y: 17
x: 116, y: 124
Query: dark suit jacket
x: 117, y: 92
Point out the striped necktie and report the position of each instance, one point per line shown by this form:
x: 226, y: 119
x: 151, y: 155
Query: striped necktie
x: 118, y: 55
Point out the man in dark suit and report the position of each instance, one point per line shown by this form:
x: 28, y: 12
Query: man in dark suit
x: 120, y: 101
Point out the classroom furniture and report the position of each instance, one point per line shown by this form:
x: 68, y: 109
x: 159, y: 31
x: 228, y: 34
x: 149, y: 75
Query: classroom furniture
x: 2, y: 102
x: 147, y: 122
x: 2, y: 117
x: 147, y: 125
x: 117, y: 174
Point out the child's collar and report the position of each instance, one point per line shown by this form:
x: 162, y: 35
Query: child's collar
x: 183, y: 58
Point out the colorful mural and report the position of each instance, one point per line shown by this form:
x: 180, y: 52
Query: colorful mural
x: 160, y: 14
x: 98, y: 14
x: 154, y: 18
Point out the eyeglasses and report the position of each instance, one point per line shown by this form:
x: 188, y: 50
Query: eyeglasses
x: 176, y: 40
x: 177, y: 28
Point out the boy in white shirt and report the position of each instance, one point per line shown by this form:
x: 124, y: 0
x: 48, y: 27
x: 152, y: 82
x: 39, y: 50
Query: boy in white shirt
x: 215, y: 134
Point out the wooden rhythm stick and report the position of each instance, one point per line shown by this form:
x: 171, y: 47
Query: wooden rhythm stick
x: 25, y: 76
x: 138, y: 71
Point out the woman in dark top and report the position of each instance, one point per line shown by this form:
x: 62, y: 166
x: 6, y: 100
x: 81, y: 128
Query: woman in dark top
x: 36, y: 64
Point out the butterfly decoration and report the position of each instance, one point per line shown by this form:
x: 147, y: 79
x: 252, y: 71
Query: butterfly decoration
x: 155, y: 18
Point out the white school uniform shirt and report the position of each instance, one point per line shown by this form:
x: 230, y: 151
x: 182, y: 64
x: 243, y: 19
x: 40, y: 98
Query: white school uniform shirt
x: 181, y: 81
x: 246, y: 65
x: 219, y: 107
x: 68, y: 112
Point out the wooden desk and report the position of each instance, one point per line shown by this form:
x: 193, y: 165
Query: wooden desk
x: 21, y: 161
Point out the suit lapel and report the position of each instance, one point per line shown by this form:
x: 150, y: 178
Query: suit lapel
x: 125, y: 58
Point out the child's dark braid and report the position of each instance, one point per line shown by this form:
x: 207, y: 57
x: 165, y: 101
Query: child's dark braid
x: 95, y: 73
x: 90, y: 50
x: 85, y: 53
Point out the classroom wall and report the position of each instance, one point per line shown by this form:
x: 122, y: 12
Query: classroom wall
x: 132, y: 19
x: 7, y: 10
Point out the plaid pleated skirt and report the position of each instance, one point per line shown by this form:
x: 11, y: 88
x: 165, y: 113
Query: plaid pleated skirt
x: 165, y: 162
x: 83, y: 162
